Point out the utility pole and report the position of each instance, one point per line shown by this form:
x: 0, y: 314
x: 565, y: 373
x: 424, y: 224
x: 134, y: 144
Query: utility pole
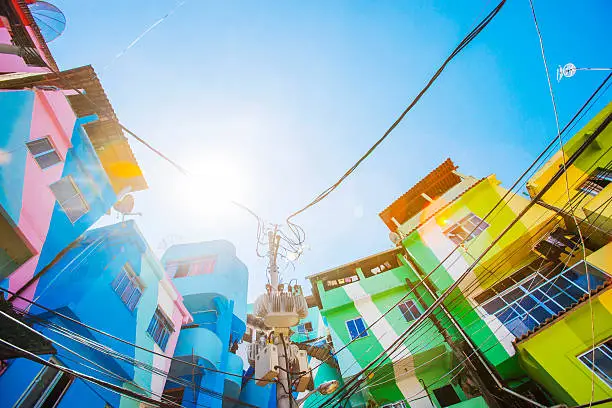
x: 280, y: 310
x: 284, y: 398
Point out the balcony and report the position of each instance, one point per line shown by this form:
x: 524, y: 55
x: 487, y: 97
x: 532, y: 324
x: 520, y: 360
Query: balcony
x: 532, y: 301
x: 198, y: 345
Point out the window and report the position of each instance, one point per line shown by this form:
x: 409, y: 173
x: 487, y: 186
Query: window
x: 461, y: 231
x: 47, y: 389
x: 201, y: 266
x: 43, y: 152
x: 524, y: 306
x: 160, y: 328
x: 128, y: 287
x: 597, y: 181
x: 173, y: 397
x: 301, y: 328
x: 446, y: 396
x: 69, y: 198
x: 356, y: 328
x: 602, y: 356
x: 409, y: 310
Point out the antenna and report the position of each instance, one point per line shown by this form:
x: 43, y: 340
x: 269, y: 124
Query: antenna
x: 569, y: 70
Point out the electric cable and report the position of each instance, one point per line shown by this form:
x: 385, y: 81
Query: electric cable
x: 574, y: 249
x: 463, y: 44
x: 501, y: 200
x: 458, y: 281
x: 89, y: 327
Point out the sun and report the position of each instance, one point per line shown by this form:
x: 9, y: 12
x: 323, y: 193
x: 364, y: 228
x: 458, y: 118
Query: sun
x: 214, y: 181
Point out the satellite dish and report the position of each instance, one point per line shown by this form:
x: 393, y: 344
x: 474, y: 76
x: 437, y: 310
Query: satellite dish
x: 49, y: 19
x: 567, y: 71
x: 125, y: 205
x: 395, y: 238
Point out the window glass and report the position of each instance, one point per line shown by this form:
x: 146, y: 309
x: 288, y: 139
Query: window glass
x: 43, y: 152
x: 356, y: 328
x: 69, y: 198
x: 127, y: 285
x: 533, y: 300
x: 466, y: 229
x: 47, y: 388
x: 597, y: 181
x: 601, y: 356
x: 160, y: 328
x: 409, y: 310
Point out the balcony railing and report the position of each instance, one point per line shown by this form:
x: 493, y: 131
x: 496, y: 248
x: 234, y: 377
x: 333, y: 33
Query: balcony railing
x: 533, y: 300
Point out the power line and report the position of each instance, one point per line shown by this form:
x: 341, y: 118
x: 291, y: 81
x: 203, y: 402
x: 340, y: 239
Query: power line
x: 455, y: 284
x: 567, y: 127
x: 89, y: 327
x: 464, y: 43
x: 104, y: 384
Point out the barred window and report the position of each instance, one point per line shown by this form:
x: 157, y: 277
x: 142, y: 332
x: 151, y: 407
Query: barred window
x: 597, y: 181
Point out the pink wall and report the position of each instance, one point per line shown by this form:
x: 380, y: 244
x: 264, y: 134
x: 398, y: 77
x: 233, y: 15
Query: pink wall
x: 52, y: 117
x: 14, y: 63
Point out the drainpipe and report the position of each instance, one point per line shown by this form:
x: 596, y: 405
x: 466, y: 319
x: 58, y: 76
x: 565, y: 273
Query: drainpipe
x: 428, y: 286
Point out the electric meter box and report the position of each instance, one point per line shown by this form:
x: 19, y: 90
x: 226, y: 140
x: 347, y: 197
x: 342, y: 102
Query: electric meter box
x: 265, y: 361
x: 301, y: 362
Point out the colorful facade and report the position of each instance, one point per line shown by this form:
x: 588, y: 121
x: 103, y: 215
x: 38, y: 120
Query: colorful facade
x: 64, y: 160
x: 214, y: 284
x: 577, y: 370
x: 111, y: 281
x: 353, y: 297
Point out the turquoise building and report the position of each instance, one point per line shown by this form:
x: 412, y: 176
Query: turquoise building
x: 214, y: 284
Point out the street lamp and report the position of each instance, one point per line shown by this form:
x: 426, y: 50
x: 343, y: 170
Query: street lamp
x: 325, y: 389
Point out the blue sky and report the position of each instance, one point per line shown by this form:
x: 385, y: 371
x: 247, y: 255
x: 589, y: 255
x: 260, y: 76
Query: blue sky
x: 270, y: 102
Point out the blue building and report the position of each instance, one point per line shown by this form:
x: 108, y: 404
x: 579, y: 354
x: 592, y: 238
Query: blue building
x: 214, y: 284
x: 109, y: 280
x: 63, y: 164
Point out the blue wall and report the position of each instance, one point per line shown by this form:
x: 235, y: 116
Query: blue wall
x: 79, y: 286
x: 217, y: 302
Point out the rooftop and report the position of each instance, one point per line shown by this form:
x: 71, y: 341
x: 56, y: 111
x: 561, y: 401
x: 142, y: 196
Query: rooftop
x: 432, y: 186
x: 105, y: 133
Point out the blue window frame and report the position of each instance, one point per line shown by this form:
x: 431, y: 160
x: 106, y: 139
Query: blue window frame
x: 160, y: 329
x: 128, y: 287
x: 356, y: 328
x: 602, y: 357
x: 301, y: 328
x: 530, y: 302
x: 409, y: 310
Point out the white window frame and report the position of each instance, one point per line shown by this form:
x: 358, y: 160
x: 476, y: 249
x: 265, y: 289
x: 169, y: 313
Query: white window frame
x: 605, y: 349
x: 529, y: 291
x: 53, y: 149
x: 467, y: 230
x: 78, y: 194
x: 359, y: 335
